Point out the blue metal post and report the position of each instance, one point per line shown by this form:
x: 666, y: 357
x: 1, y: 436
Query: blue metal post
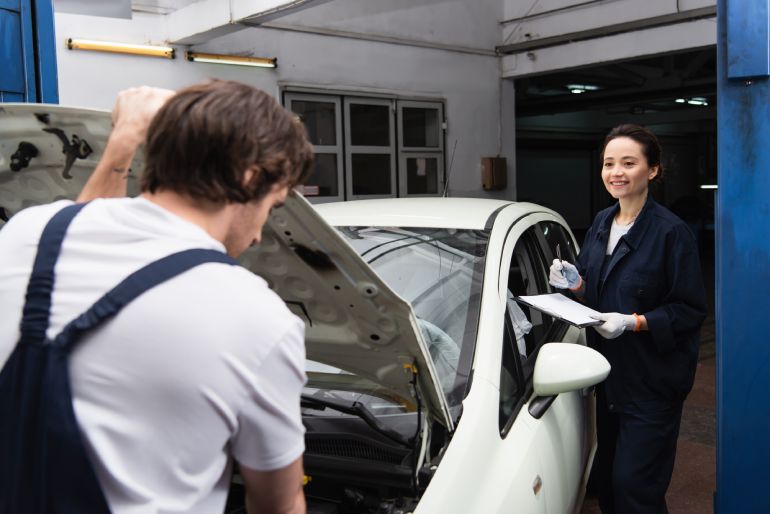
x: 45, y: 55
x: 743, y: 257
x: 27, y: 52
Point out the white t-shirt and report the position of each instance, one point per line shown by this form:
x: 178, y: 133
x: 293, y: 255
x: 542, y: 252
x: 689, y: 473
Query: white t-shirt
x: 616, y: 232
x: 206, y: 365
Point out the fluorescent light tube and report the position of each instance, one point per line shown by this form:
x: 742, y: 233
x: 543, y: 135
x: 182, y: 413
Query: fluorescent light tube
x: 260, y: 62
x: 120, y: 48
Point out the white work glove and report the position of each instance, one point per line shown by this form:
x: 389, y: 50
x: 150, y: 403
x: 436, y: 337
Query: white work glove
x: 614, y: 324
x: 564, y: 275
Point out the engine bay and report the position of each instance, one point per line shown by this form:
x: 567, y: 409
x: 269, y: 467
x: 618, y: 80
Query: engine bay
x: 353, y: 469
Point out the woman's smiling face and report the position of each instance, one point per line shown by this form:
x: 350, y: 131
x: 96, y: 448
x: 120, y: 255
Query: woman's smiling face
x: 625, y: 171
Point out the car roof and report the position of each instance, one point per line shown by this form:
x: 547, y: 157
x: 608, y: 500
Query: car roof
x: 462, y: 213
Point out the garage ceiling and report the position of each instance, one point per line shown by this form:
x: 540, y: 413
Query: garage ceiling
x: 676, y: 83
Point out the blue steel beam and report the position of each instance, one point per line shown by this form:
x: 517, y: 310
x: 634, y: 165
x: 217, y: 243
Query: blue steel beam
x: 45, y: 54
x: 27, y: 52
x: 743, y: 258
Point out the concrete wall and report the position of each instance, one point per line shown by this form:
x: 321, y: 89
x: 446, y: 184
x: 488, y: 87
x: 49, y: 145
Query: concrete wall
x: 93, y: 79
x: 539, y: 23
x: 463, y: 23
x: 468, y: 81
x: 469, y: 84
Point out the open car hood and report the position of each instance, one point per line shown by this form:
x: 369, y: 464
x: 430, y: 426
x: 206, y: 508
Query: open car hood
x: 47, y: 152
x: 353, y: 320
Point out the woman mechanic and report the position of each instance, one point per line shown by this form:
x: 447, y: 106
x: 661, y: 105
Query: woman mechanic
x: 639, y: 268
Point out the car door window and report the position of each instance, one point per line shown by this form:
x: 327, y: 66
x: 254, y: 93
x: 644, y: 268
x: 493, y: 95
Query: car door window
x: 555, y: 234
x: 528, y: 275
x: 511, y: 380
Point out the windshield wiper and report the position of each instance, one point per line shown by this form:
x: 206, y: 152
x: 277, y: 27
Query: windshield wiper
x: 356, y: 409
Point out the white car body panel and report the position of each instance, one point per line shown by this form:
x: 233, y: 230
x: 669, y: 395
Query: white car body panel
x: 509, y: 467
x: 42, y: 180
x: 467, y: 213
x: 353, y: 320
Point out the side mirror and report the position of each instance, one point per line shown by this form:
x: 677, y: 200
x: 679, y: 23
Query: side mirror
x: 564, y: 367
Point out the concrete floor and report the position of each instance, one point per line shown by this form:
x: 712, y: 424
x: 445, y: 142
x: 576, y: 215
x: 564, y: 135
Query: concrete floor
x: 694, y: 480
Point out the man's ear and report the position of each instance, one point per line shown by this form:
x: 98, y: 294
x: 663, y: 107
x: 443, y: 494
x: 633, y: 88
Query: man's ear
x: 250, y: 175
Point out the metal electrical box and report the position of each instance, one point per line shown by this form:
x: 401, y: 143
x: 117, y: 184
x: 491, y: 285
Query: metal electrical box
x: 494, y: 173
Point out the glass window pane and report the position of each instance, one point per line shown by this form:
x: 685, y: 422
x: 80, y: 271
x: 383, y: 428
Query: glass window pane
x: 371, y: 174
x: 556, y: 235
x: 421, y: 175
x: 509, y: 386
x: 421, y: 127
x: 319, y: 121
x: 369, y: 125
x: 323, y: 179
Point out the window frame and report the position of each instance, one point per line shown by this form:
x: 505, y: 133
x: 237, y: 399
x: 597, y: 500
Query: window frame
x: 529, y: 228
x: 351, y: 149
x: 402, y: 176
x: 406, y: 152
x: 399, y: 154
x: 336, y: 149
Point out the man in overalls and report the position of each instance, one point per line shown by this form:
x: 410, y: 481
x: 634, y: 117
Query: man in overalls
x: 138, y: 361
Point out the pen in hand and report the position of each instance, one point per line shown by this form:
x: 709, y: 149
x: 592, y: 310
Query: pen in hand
x: 558, y: 256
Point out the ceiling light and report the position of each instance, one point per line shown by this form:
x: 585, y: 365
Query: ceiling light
x: 582, y: 88
x: 708, y: 186
x: 260, y: 62
x: 120, y: 48
x: 696, y: 100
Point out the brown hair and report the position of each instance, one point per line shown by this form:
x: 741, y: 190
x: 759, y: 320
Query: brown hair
x: 648, y: 141
x: 205, y: 137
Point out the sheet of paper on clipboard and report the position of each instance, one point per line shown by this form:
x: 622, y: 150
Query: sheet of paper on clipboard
x: 559, y: 306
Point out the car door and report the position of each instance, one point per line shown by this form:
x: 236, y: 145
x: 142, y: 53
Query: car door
x: 555, y: 233
x: 558, y: 436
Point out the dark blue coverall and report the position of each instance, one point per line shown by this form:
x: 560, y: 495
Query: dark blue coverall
x: 653, y: 271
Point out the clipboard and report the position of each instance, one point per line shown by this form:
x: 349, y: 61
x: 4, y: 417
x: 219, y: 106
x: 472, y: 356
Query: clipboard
x: 563, y: 308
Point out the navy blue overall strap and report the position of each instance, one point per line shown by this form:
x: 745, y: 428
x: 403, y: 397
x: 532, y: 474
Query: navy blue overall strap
x: 134, y: 285
x: 34, y: 322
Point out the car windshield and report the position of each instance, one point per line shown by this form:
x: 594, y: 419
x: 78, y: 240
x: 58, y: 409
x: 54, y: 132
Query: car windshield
x: 440, y: 272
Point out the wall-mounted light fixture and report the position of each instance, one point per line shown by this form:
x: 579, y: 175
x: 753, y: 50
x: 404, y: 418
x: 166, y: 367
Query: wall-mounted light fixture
x: 708, y: 186
x: 260, y: 62
x: 120, y: 48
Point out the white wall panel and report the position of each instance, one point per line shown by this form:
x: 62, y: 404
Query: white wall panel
x: 93, y: 79
x: 469, y: 83
x: 451, y: 22
x: 694, y: 34
x: 583, y: 15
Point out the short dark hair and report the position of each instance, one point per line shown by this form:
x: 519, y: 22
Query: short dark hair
x: 202, y: 141
x: 648, y: 141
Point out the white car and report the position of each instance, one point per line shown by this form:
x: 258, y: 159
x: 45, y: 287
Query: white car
x: 430, y: 389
